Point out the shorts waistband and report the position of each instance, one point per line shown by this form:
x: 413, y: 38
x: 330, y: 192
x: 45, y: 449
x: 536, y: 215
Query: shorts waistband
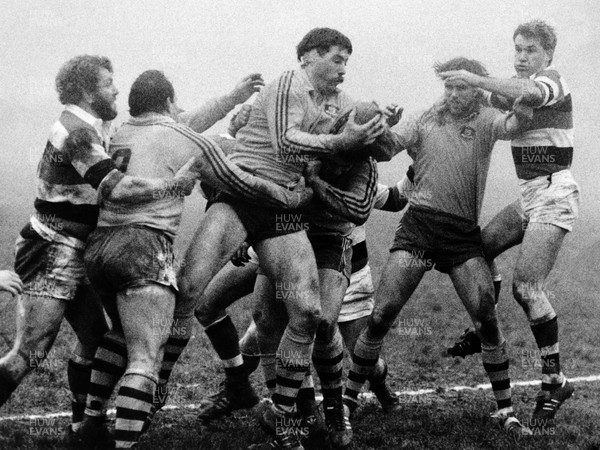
x: 437, y: 212
x: 562, y: 175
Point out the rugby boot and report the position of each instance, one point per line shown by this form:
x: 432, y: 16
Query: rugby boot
x: 286, y: 430
x: 548, y: 403
x: 468, y: 344
x: 232, y: 397
x: 510, y: 423
x: 312, y: 419
x: 338, y: 423
x: 93, y: 434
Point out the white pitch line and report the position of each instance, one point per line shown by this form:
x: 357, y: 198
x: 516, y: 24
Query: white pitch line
x: 367, y: 395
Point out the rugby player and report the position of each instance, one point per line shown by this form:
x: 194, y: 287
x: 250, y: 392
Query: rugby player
x: 451, y: 145
x: 129, y: 256
x: 549, y: 193
x: 286, y: 129
x: 71, y: 181
x: 237, y: 280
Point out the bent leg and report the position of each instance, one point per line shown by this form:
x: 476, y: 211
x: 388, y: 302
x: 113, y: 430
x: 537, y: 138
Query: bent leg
x: 401, y: 276
x: 219, y: 234
x: 537, y: 257
x: 38, y: 320
x: 290, y: 263
x: 504, y: 231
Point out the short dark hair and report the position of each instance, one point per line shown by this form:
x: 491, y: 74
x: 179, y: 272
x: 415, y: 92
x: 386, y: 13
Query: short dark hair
x: 461, y: 63
x: 149, y: 93
x: 322, y: 39
x: 540, y: 30
x: 79, y: 75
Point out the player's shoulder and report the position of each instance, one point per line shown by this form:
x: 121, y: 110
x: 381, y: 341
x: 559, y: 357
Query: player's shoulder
x: 548, y: 73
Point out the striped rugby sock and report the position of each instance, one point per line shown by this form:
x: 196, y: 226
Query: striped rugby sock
x: 173, y: 350
x: 134, y: 402
x: 546, y: 337
x: 307, y: 389
x: 293, y: 361
x: 107, y: 369
x: 79, y: 370
x: 495, y: 363
x: 268, y: 363
x: 224, y: 338
x: 328, y: 361
x: 364, y: 358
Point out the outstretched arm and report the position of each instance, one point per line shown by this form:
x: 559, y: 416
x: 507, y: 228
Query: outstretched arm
x: 531, y: 91
x: 205, y: 116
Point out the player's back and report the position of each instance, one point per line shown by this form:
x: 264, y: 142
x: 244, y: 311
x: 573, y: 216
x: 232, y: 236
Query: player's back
x: 150, y: 146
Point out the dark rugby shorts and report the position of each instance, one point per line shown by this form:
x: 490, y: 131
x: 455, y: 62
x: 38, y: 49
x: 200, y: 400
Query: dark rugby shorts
x: 332, y: 251
x: 118, y: 258
x: 264, y: 223
x: 442, y: 238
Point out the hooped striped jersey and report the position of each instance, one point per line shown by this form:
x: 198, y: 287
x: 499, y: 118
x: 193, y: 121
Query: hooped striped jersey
x: 547, y: 146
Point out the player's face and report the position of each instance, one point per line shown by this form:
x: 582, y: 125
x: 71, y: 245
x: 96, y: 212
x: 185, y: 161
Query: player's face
x: 328, y: 70
x: 530, y: 56
x: 104, y: 100
x: 460, y: 97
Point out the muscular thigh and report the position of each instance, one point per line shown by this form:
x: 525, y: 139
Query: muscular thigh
x: 289, y: 262
x: 146, y: 315
x: 505, y: 230
x: 228, y: 286
x: 219, y: 234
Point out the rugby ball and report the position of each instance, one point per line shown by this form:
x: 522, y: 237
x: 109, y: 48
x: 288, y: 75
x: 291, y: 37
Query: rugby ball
x: 384, y: 148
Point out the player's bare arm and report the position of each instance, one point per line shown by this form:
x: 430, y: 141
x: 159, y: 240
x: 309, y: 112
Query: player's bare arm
x: 120, y: 188
x: 205, y: 116
x: 511, y: 88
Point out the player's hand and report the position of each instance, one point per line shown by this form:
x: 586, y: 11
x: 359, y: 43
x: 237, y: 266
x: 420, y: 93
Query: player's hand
x: 392, y: 113
x: 311, y: 170
x: 246, y: 87
x: 239, y: 120
x: 523, y: 112
x: 185, y: 178
x: 461, y: 75
x: 10, y: 282
x: 355, y: 135
x: 241, y: 256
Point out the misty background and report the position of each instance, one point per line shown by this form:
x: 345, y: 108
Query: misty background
x: 205, y: 47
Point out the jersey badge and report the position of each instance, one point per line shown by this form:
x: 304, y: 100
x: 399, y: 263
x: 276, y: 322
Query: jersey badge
x: 467, y: 132
x: 331, y: 110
